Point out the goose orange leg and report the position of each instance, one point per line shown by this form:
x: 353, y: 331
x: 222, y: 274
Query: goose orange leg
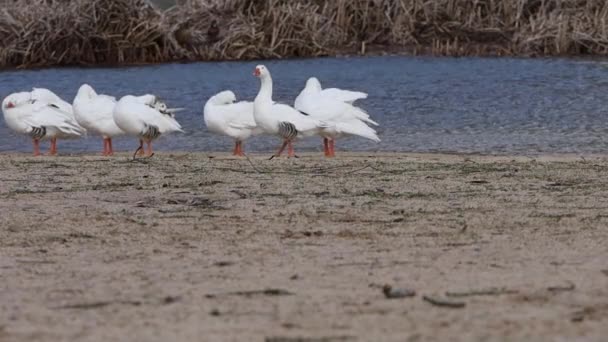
x: 238, y: 148
x: 110, y: 148
x: 37, y: 147
x: 332, y: 148
x: 150, y: 153
x: 290, y: 151
x: 53, y: 150
x: 326, y: 147
x: 235, y: 151
x: 241, y: 152
x: 105, y: 147
x: 141, y: 151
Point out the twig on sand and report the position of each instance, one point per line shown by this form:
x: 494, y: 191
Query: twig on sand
x: 485, y: 292
x: 144, y: 160
x: 560, y: 288
x: 314, y: 171
x: 253, y: 166
x: 140, y: 159
x: 444, y: 303
x: 37, y: 261
x: 357, y: 170
x: 103, y: 303
x: 309, y: 339
x: 264, y: 292
x: 98, y: 304
x: 391, y: 172
x: 397, y: 292
x: 135, y: 153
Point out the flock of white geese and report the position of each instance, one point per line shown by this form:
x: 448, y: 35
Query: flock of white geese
x: 328, y: 113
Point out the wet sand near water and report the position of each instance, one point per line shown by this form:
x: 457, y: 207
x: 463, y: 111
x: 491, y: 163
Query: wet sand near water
x: 204, y: 246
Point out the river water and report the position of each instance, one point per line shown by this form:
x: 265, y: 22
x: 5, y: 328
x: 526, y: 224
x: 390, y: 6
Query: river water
x: 423, y: 104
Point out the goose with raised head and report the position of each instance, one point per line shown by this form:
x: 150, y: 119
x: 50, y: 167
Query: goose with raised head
x: 335, y: 107
x: 39, y: 120
x: 146, y: 117
x: 95, y: 113
x: 223, y: 115
x: 280, y: 119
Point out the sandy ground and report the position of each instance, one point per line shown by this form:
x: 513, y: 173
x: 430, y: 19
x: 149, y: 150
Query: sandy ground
x: 202, y: 246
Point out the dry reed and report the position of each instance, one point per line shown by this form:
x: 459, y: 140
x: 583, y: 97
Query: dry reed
x: 92, y: 32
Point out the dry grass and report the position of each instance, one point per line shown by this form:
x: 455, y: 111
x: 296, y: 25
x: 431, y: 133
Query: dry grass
x: 82, y: 32
x: 39, y: 33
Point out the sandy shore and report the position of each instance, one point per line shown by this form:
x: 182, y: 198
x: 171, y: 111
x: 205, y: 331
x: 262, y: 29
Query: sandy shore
x: 202, y: 246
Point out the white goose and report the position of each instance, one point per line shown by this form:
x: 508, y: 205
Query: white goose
x: 223, y: 116
x: 95, y: 113
x: 47, y: 96
x: 335, y: 107
x: 280, y: 119
x: 347, y: 96
x: 39, y: 120
x: 145, y: 117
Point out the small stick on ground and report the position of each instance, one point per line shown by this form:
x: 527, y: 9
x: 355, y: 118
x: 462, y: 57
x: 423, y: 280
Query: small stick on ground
x: 357, y: 170
x: 309, y: 339
x: 135, y: 154
x: 264, y: 292
x: 139, y: 159
x: 392, y: 292
x: 485, y: 292
x: 444, y: 303
x: 99, y: 304
x: 253, y: 166
x: 569, y: 287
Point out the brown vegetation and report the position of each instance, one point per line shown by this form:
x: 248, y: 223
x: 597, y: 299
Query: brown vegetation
x: 83, y: 32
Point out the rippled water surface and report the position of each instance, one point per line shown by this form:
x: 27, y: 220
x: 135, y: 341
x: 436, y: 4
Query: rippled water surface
x: 519, y: 106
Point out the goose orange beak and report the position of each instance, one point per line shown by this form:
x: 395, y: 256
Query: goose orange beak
x: 256, y: 72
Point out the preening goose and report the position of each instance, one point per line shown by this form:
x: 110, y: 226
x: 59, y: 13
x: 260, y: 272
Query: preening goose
x: 223, y: 115
x: 145, y: 117
x: 95, y: 113
x: 39, y: 120
x: 335, y: 107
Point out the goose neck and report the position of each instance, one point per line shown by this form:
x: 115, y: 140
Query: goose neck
x: 266, y: 88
